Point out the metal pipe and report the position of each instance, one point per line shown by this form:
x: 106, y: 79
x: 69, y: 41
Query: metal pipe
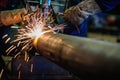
x: 81, y: 56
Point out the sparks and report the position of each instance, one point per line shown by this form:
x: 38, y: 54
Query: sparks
x: 7, y: 40
x: 17, y: 54
x: 27, y: 59
x: 37, y: 25
x: 16, y: 27
x: 31, y: 70
x: 1, y: 73
x: 4, y: 36
x: 19, y: 66
x: 19, y: 73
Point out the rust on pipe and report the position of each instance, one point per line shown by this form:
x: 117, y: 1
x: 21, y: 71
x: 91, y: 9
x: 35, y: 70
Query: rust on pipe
x: 82, y: 56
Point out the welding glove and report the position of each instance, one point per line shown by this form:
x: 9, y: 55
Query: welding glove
x: 77, y: 14
x: 11, y: 16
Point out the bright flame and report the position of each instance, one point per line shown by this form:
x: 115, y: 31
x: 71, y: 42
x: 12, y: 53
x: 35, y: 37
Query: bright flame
x: 35, y: 32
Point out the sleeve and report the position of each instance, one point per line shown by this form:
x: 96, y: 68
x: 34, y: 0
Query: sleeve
x: 107, y: 5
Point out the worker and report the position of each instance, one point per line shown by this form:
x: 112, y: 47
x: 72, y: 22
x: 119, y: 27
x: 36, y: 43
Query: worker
x: 80, y: 12
x: 72, y: 28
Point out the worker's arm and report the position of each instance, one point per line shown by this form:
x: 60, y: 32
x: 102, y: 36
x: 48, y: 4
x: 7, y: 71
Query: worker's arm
x: 77, y: 14
x: 11, y: 16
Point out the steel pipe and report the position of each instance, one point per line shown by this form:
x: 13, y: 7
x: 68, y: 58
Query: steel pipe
x: 81, y: 56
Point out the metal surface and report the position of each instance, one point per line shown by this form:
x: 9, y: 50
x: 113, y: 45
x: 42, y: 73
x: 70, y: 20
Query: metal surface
x: 81, y: 56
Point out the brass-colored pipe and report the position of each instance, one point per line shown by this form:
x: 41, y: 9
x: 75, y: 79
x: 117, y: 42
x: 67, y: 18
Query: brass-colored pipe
x: 82, y: 56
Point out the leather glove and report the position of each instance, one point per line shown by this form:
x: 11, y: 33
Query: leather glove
x: 77, y: 14
x: 12, y: 16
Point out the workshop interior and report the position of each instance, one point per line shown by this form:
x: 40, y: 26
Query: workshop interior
x: 37, y: 43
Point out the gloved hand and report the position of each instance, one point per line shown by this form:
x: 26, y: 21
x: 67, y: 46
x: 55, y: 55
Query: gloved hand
x: 77, y: 14
x: 11, y: 16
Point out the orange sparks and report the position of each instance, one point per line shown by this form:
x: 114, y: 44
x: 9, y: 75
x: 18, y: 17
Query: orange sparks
x: 16, y: 27
x: 31, y: 69
x: 19, y: 73
x: 1, y: 73
x: 36, y: 25
x: 4, y: 36
x: 27, y: 59
x: 18, y: 44
x: 17, y: 54
x: 11, y: 50
x: 7, y: 40
x: 26, y: 55
x: 19, y: 66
